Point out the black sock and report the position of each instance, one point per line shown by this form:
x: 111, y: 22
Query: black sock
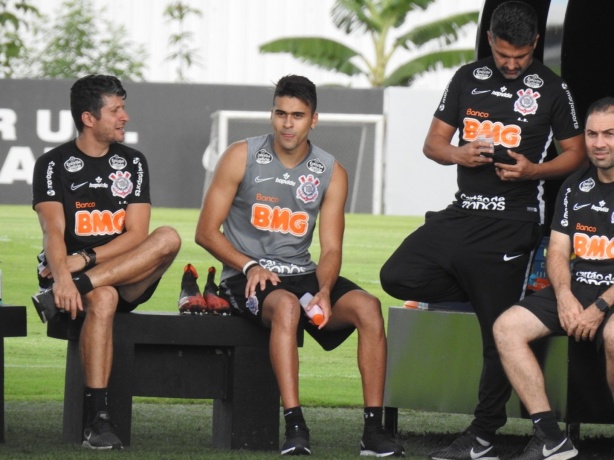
x: 294, y: 416
x: 548, y: 424
x: 373, y: 416
x: 83, y: 283
x: 95, y: 401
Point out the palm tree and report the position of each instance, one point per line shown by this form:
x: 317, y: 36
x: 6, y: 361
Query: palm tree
x: 380, y: 18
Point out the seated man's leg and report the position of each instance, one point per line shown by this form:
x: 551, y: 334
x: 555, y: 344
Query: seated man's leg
x: 281, y: 313
x: 536, y: 316
x: 278, y: 310
x: 514, y: 331
x: 361, y: 310
x: 137, y: 272
x: 96, y: 345
x: 138, y: 268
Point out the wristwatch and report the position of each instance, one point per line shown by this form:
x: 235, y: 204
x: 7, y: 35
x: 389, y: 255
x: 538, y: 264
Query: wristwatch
x: 601, y: 304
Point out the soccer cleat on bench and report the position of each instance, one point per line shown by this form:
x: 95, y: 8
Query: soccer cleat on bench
x: 378, y: 442
x: 99, y: 435
x: 215, y: 303
x: 45, y: 305
x: 296, y: 441
x: 190, y: 298
x: 467, y: 446
x: 542, y: 448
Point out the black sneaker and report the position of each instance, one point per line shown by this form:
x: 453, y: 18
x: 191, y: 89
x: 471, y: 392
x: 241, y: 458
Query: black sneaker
x: 467, y: 446
x: 45, y: 305
x: 190, y: 298
x: 296, y: 441
x: 378, y: 442
x: 99, y: 435
x: 541, y: 448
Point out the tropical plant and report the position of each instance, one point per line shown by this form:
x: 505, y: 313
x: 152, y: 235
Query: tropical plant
x: 80, y: 41
x: 178, y: 12
x: 381, y: 19
x: 13, y: 20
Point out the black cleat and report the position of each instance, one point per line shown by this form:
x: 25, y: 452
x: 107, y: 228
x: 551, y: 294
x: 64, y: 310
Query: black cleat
x: 190, y: 298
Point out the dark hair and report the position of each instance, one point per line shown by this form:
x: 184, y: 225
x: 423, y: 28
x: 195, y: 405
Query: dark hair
x: 87, y: 92
x: 515, y: 22
x: 603, y: 105
x: 299, y: 87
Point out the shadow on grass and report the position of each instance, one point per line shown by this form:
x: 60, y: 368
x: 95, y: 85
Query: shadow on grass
x: 183, y: 431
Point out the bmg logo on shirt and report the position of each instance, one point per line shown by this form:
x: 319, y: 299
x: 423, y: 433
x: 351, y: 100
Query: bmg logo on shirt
x: 90, y: 223
x: 278, y: 219
x: 506, y: 135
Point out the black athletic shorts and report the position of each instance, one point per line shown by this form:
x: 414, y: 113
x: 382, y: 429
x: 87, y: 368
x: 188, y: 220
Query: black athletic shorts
x: 123, y: 306
x: 233, y: 290
x: 543, y: 305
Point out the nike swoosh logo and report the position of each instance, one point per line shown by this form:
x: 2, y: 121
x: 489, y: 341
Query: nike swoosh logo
x: 475, y: 455
x: 258, y: 179
x: 548, y: 452
x: 74, y: 187
x: 577, y: 206
x: 476, y: 91
x: 507, y: 258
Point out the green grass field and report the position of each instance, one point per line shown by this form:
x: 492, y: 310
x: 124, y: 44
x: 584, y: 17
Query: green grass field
x: 35, y: 364
x: 180, y: 429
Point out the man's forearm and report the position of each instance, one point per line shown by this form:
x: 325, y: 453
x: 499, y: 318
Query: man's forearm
x: 328, y: 270
x: 559, y: 272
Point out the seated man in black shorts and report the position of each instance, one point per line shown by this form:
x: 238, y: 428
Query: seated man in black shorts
x: 91, y: 196
x: 579, y: 301
x: 266, y: 193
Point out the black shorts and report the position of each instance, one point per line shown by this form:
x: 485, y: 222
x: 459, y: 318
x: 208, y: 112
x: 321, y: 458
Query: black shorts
x: 123, y: 306
x: 233, y: 290
x: 543, y: 304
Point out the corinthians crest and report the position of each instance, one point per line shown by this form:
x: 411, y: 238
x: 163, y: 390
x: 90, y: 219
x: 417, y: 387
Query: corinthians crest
x: 527, y: 102
x: 122, y: 185
x: 307, y: 192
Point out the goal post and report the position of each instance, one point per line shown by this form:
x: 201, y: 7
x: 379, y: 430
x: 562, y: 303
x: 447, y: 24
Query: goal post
x: 356, y: 141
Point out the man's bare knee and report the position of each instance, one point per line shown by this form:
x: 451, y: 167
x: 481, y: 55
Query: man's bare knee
x: 507, y: 323
x: 167, y: 239
x: 102, y: 301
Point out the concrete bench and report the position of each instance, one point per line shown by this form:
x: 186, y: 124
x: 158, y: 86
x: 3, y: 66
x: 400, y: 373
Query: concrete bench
x: 434, y: 364
x: 224, y: 358
x: 13, y: 323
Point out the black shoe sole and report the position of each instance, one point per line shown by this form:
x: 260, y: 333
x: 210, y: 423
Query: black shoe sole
x: 45, y: 305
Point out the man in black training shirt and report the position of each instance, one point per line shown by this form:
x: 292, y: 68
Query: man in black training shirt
x: 480, y: 247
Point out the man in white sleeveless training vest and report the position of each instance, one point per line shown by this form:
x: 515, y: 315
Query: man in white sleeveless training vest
x: 258, y: 218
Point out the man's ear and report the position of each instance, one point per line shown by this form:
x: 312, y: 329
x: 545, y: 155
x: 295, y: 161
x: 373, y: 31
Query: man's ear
x: 314, y: 120
x: 88, y: 119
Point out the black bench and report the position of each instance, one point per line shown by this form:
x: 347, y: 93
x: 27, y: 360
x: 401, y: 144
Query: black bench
x: 13, y: 323
x: 434, y: 364
x: 156, y: 354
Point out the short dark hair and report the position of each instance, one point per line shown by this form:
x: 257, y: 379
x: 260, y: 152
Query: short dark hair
x: 87, y: 92
x: 515, y: 22
x: 603, y: 105
x: 299, y: 87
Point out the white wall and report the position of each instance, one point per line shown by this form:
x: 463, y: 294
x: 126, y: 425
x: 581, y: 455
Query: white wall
x: 228, y: 35
x: 413, y: 184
